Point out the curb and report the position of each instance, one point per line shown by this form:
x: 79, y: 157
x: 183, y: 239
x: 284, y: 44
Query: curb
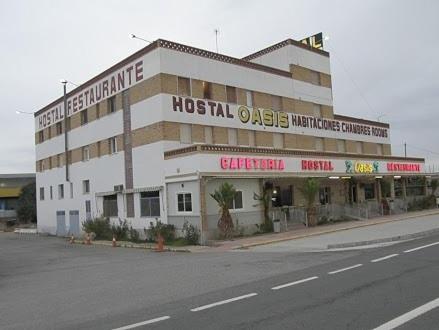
x: 130, y: 246
x: 384, y: 240
x: 249, y: 245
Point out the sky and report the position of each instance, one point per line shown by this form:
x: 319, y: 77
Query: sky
x: 384, y: 55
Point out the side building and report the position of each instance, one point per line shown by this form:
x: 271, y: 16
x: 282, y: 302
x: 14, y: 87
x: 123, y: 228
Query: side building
x: 153, y: 136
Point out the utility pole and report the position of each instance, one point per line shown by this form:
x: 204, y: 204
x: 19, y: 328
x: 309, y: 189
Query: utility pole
x: 66, y: 143
x: 405, y: 150
x: 216, y: 38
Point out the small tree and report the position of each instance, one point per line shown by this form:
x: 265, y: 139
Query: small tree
x: 309, y: 191
x: 27, y: 204
x: 434, y: 185
x: 265, y: 198
x: 224, y: 197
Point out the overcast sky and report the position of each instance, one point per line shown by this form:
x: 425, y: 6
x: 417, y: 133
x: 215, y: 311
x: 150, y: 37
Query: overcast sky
x: 384, y: 55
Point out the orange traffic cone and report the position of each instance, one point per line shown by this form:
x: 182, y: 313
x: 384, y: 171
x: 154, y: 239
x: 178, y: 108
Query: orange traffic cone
x: 114, y: 241
x: 160, y: 242
x: 72, y: 239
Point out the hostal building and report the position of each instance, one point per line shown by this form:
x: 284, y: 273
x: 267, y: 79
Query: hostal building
x: 154, y: 135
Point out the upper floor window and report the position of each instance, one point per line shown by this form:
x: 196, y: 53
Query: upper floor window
x: 249, y: 98
x: 233, y: 136
x: 98, y: 110
x: 276, y: 102
x: 112, y: 145
x: 231, y: 94
x: 61, y: 191
x: 86, y: 186
x: 315, y: 77
x: 251, y: 138
x: 41, y: 136
x: 319, y: 144
x: 111, y: 104
x: 183, y: 86
x: 278, y: 140
x: 85, y: 153
x: 84, y: 117
x: 341, y: 145
x: 59, y: 128
x: 207, y: 90
x: 208, y: 135
x: 317, y: 110
x: 41, y: 193
x: 379, y: 149
x: 185, y: 133
x: 359, y: 147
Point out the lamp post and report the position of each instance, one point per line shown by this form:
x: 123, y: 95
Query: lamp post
x: 19, y: 112
x: 133, y: 36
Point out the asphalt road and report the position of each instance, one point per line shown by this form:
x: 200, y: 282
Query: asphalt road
x: 46, y: 284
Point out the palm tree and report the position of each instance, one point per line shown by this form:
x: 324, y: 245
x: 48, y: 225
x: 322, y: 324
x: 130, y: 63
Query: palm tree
x: 224, y: 197
x: 309, y: 191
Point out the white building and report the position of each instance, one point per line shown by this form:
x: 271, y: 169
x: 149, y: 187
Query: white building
x: 151, y: 137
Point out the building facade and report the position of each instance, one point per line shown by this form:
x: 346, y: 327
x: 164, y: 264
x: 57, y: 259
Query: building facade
x: 10, y: 189
x: 153, y: 136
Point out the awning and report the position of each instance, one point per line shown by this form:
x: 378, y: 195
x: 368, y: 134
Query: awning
x: 10, y: 192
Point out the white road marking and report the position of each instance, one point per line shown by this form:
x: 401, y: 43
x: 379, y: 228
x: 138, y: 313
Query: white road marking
x: 344, y: 269
x: 421, y: 247
x: 385, y: 258
x: 294, y: 283
x: 404, y: 318
x: 135, y: 325
x: 222, y: 302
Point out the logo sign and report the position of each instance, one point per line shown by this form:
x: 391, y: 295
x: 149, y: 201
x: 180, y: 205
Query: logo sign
x: 250, y: 163
x: 317, y: 165
x: 361, y: 167
x: 315, y: 41
x: 403, y: 167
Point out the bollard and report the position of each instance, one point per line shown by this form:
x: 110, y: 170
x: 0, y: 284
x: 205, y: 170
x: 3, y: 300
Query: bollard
x: 160, y: 242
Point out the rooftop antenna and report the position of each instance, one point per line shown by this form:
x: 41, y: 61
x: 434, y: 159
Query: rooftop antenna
x: 216, y: 38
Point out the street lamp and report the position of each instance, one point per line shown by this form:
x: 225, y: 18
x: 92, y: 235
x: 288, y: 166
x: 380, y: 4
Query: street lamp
x: 133, y: 36
x: 66, y: 149
x: 19, y: 112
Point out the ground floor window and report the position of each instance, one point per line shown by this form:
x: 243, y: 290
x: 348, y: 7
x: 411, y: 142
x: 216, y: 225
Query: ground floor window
x: 236, y: 203
x: 325, y: 195
x: 150, y: 204
x: 184, y: 202
x: 110, y: 206
x: 282, y: 196
x: 369, y: 191
x: 415, y: 186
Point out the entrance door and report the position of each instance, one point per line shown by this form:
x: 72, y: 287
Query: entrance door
x: 60, y: 223
x: 74, y: 223
x: 354, y: 193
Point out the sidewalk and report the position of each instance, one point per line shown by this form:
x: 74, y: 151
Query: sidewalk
x: 348, y: 233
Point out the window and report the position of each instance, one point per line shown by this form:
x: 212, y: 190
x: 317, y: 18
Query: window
x: 184, y: 202
x: 98, y: 147
x: 51, y: 192
x: 379, y: 149
x: 207, y: 90
x: 317, y: 110
x: 112, y: 145
x: 41, y: 193
x: 59, y: 160
x: 71, y: 189
x: 85, y: 153
x: 233, y: 136
x: 249, y: 98
x: 325, y: 195
x: 359, y: 146
x: 276, y: 102
x: 341, y: 145
x: 183, y: 86
x: 49, y: 132
x: 84, y: 117
x: 208, y: 135
x: 41, y: 136
x: 50, y: 163
x: 110, y: 206
x: 369, y: 191
x: 111, y: 104
x: 251, y: 138
x: 98, y: 110
x: 60, y: 191
x: 86, y: 186
x: 278, y: 140
x: 236, y: 203
x: 283, y: 196
x: 315, y: 77
x: 231, y: 94
x: 185, y: 133
x: 87, y: 210
x: 150, y: 204
x: 59, y: 128
x: 41, y: 165
x: 319, y: 144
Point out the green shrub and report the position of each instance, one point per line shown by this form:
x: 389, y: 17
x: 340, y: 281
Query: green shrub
x: 422, y: 203
x: 165, y: 230
x: 191, y: 233
x: 100, y: 226
x: 120, y: 231
x: 134, y: 235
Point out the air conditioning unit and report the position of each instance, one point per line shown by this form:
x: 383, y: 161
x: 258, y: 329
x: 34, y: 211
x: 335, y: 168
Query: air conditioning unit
x: 118, y: 188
